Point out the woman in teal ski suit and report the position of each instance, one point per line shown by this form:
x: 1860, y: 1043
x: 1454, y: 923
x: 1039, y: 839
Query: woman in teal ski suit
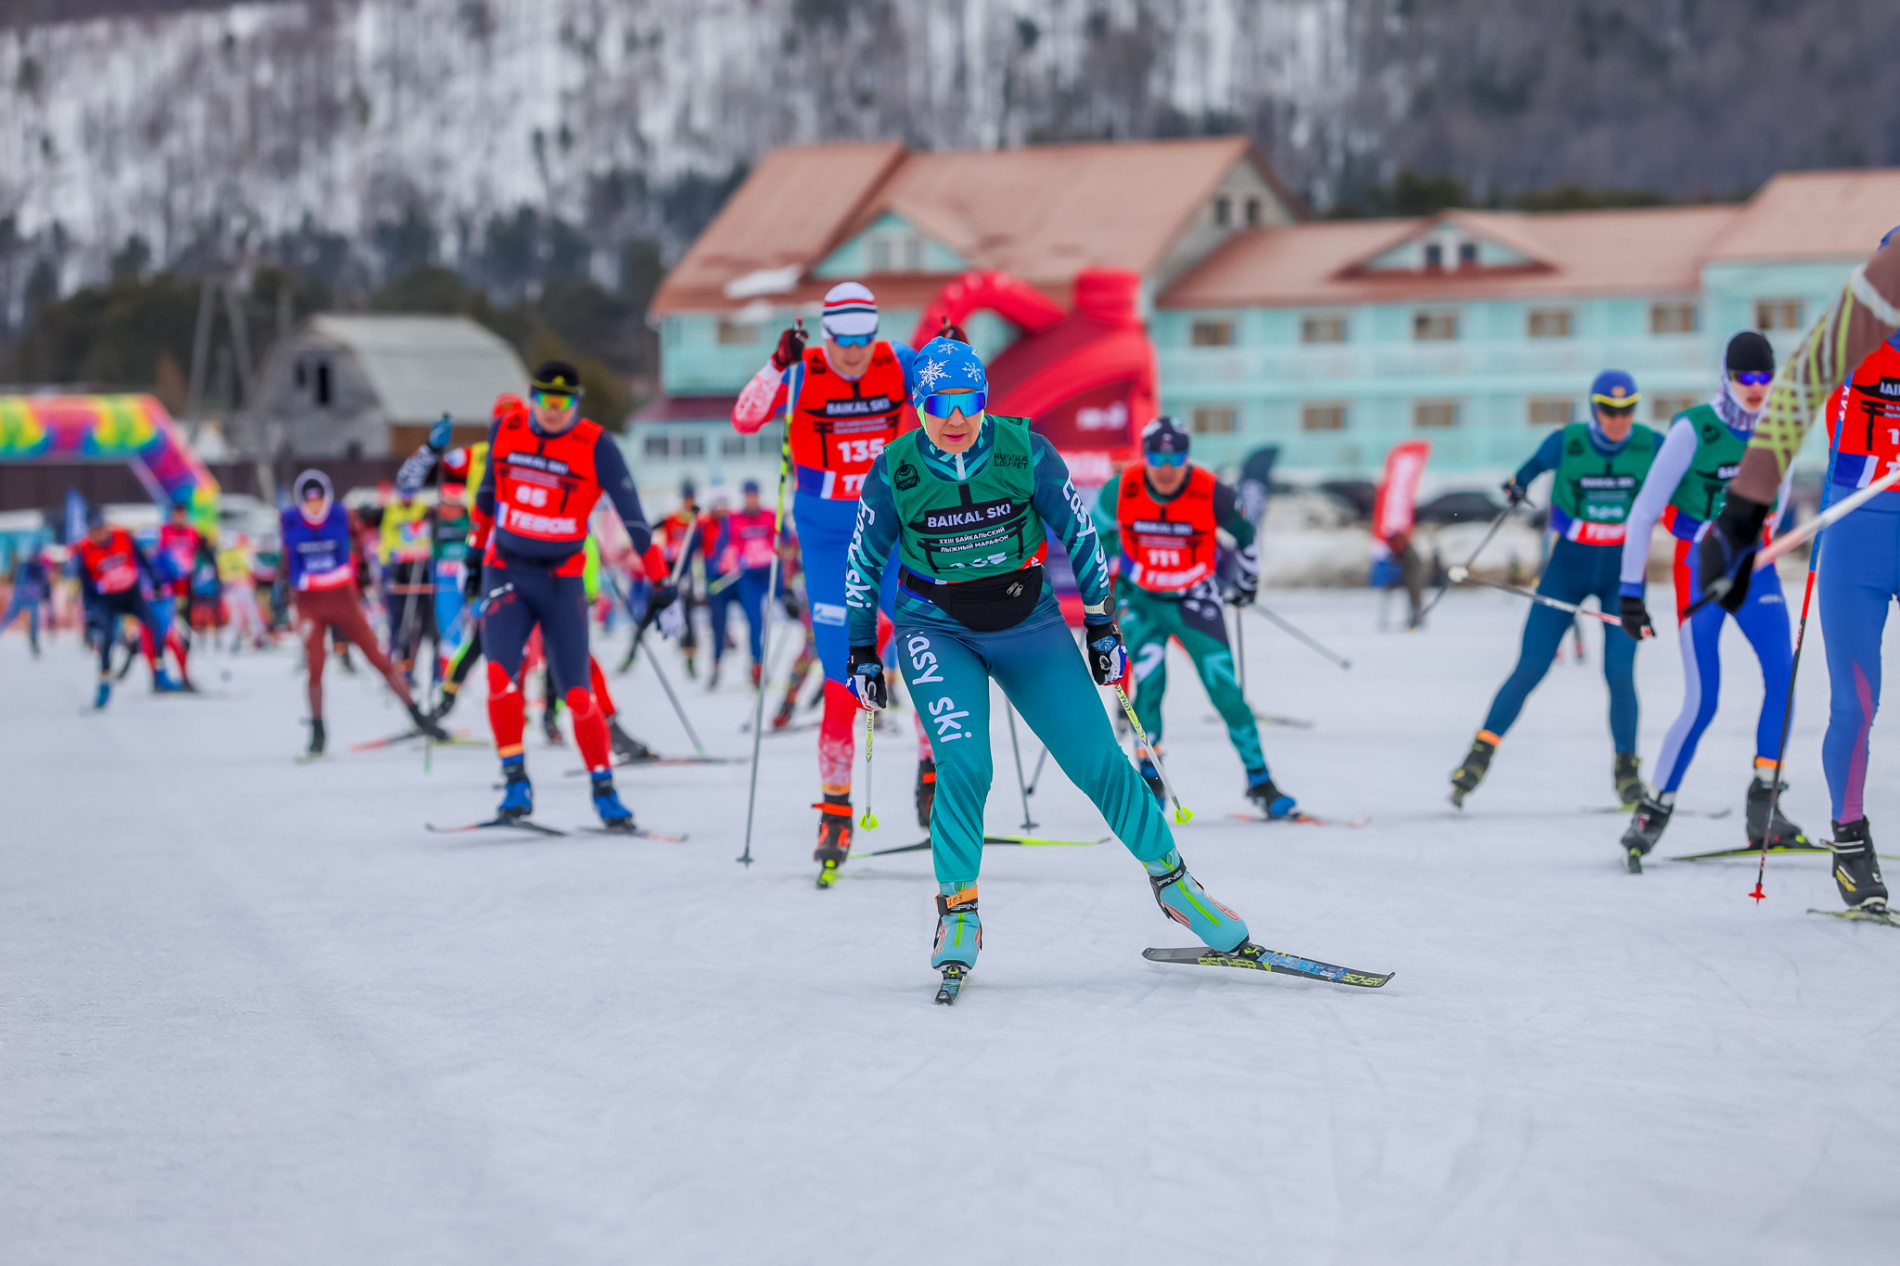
x: 968, y: 502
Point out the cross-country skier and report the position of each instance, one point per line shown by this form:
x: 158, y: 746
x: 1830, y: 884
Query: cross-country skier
x: 1165, y: 511
x: 237, y: 574
x: 967, y: 503
x: 846, y: 398
x: 1685, y: 489
x: 683, y: 534
x: 1598, y: 467
x: 1859, y: 562
x: 321, y: 574
x: 405, y: 549
x: 547, y: 466
x: 32, y: 585
x: 743, y: 554
x: 113, y: 573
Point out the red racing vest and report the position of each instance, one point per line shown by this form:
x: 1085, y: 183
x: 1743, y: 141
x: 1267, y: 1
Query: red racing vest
x: 1866, y: 416
x: 839, y: 426
x: 545, y: 486
x: 113, y: 566
x: 1173, y: 543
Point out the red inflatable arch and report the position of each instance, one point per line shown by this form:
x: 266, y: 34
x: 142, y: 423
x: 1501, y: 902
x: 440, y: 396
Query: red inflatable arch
x: 1087, y: 377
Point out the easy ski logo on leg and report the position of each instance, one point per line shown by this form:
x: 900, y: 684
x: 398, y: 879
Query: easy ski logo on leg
x: 923, y: 659
x: 949, y: 723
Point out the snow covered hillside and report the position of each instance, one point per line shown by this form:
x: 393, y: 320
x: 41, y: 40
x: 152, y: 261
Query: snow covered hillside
x: 242, y: 121
x: 254, y: 1012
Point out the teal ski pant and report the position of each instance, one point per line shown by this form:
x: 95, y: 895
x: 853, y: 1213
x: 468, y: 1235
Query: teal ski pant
x: 949, y: 670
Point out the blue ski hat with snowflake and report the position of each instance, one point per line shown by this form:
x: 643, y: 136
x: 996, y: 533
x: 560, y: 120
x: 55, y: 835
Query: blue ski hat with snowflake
x: 942, y: 364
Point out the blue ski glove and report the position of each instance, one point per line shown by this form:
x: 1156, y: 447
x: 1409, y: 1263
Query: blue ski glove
x: 1726, y: 553
x: 864, y: 674
x: 1107, y: 653
x: 439, y: 434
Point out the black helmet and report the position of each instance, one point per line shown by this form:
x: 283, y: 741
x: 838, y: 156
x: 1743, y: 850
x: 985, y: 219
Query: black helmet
x: 1164, y: 435
x: 558, y: 376
x: 1749, y: 352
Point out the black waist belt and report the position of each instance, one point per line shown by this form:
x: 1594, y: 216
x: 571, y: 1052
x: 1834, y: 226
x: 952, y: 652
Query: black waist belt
x: 989, y: 605
x: 511, y: 559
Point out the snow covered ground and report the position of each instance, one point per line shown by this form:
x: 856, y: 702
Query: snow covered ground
x: 253, y: 1012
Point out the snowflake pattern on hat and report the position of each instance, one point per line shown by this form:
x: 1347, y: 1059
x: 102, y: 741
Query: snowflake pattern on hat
x: 943, y: 363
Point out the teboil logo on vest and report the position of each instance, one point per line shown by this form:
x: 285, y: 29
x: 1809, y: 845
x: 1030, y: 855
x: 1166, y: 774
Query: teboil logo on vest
x: 540, y: 524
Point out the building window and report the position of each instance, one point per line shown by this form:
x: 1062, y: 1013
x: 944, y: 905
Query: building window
x: 1323, y: 329
x: 897, y: 253
x: 1549, y: 411
x: 1211, y: 334
x: 1778, y: 314
x: 1434, y: 327
x: 322, y: 389
x: 1663, y: 408
x: 692, y: 446
x: 1223, y: 211
x: 659, y: 447
x: 1674, y: 318
x: 1434, y: 255
x: 1326, y: 415
x: 732, y: 333
x: 1467, y: 254
x: 1428, y: 415
x: 1548, y: 323
x: 732, y: 445
x: 1214, y: 420
x: 1253, y: 213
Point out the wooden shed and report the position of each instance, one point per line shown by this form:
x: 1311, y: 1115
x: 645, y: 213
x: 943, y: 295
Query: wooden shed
x: 369, y: 385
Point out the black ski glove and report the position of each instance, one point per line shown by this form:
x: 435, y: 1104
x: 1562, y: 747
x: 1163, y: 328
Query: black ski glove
x: 1512, y: 493
x: 472, y: 580
x: 1636, y: 618
x: 788, y: 598
x: 1726, y: 554
x: 1107, y: 654
x: 790, y: 349
x: 864, y: 673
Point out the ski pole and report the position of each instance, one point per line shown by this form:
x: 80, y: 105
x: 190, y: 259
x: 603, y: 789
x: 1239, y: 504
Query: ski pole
x: 1451, y: 577
x: 1035, y: 775
x: 1240, y: 649
x: 1794, y: 667
x: 653, y: 662
x: 869, y: 820
x: 1182, y: 813
x: 1028, y: 823
x: 1461, y: 577
x: 771, y: 592
x: 1265, y: 614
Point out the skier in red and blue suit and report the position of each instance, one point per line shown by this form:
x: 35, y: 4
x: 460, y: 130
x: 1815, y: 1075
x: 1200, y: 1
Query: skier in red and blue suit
x: 547, y: 467
x: 113, y: 576
x: 844, y: 400
x: 743, y: 551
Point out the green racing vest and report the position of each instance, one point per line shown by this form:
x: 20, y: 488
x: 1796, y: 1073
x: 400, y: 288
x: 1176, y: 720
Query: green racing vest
x: 984, y: 526
x: 1594, y: 493
x: 1718, y: 455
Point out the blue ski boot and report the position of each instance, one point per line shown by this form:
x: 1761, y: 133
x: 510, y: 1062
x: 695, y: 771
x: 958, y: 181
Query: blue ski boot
x: 1182, y: 899
x: 959, y: 931
x: 613, y: 815
x: 1275, y: 803
x: 517, y: 800
x: 102, y: 696
x: 162, y: 684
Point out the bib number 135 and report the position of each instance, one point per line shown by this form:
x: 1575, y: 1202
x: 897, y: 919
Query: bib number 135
x: 855, y: 452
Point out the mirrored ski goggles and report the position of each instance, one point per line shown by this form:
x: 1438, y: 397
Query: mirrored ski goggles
x: 853, y: 340
x: 1166, y: 459
x: 553, y: 399
x: 968, y: 403
x: 1754, y: 377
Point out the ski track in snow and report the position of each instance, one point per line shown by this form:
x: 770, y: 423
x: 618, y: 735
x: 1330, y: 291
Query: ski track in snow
x: 254, y: 1012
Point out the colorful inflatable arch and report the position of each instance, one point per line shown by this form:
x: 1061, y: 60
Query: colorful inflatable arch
x: 134, y: 429
x: 1087, y: 377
